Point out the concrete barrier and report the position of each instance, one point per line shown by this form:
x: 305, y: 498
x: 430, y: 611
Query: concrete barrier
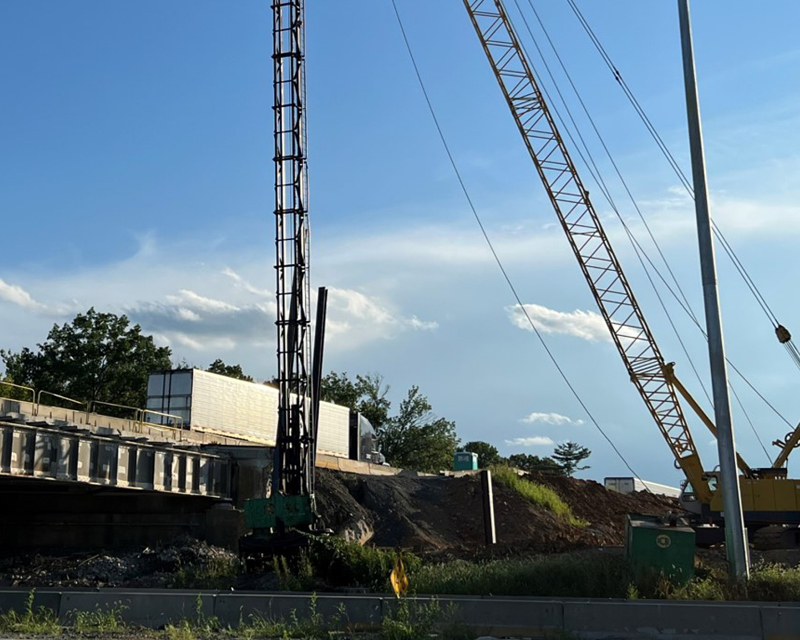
x: 363, y: 612
x: 498, y: 616
x: 780, y: 622
x: 16, y: 600
x: 662, y: 619
x: 521, y: 617
x: 146, y: 608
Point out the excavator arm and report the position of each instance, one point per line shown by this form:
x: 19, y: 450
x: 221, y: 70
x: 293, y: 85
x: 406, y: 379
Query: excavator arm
x: 598, y: 262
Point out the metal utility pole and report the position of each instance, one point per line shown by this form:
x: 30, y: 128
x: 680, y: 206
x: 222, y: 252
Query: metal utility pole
x: 736, y: 542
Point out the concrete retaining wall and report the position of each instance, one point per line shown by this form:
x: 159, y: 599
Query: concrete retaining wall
x: 521, y: 617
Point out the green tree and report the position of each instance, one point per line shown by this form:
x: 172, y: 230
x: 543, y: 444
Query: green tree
x: 569, y: 455
x: 366, y: 394
x: 230, y: 370
x: 528, y: 462
x: 96, y: 357
x: 414, y: 438
x: 488, y: 455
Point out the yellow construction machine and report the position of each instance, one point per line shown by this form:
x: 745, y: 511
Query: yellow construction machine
x: 768, y: 496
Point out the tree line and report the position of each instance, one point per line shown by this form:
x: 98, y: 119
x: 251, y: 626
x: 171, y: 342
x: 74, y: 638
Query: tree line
x: 101, y: 357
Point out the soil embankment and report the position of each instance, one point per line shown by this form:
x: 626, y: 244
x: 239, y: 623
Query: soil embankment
x: 437, y: 517
x: 438, y: 514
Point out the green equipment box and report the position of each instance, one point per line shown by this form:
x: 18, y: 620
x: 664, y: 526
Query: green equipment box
x: 651, y: 543
x: 465, y: 461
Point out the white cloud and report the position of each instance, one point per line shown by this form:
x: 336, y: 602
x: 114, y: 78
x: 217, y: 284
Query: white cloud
x: 550, y: 418
x: 201, y: 303
x: 531, y: 441
x: 356, y: 318
x: 586, y: 325
x: 244, y: 284
x: 17, y: 295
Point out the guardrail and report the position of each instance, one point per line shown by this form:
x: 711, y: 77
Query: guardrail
x: 55, y: 395
x: 138, y: 421
x: 19, y: 386
x: 177, y: 419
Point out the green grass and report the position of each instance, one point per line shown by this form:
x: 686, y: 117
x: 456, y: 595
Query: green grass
x: 547, y: 576
x: 106, y: 621
x: 773, y: 582
x: 41, y: 621
x: 348, y: 564
x: 219, y: 573
x: 599, y: 576
x: 410, y: 620
x: 534, y: 492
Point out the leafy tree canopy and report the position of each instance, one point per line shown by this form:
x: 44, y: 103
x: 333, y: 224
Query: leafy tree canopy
x: 230, y: 370
x: 528, y: 462
x: 96, y: 357
x: 569, y: 455
x: 367, y: 395
x: 414, y: 438
x: 488, y: 455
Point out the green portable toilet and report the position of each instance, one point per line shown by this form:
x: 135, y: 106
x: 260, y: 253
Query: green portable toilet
x: 465, y: 461
x: 653, y: 543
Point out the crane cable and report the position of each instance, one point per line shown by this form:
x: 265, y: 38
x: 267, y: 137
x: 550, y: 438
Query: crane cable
x: 497, y: 259
x: 784, y: 337
x: 640, y: 252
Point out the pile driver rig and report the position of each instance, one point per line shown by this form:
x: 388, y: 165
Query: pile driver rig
x: 768, y: 496
x: 290, y: 505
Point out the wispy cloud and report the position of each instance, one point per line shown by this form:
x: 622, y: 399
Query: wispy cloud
x: 586, y: 325
x: 531, y: 441
x: 244, y: 284
x: 355, y: 317
x: 555, y: 419
x: 202, y: 323
x: 17, y: 295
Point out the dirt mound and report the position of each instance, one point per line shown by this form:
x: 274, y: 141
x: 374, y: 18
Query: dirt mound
x: 442, y: 514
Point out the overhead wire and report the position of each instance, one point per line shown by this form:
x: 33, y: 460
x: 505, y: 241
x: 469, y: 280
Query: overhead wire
x: 681, y: 300
x: 596, y: 174
x: 490, y: 244
x: 639, y: 250
x: 791, y: 348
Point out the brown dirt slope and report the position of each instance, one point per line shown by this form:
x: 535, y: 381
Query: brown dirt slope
x: 440, y: 514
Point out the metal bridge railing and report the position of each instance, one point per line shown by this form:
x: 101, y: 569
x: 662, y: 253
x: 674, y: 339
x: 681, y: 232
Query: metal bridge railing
x: 138, y: 421
x: 55, y: 395
x: 178, y: 421
x: 18, y: 386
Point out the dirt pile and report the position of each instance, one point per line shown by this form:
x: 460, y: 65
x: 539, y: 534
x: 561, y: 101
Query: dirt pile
x: 439, y: 514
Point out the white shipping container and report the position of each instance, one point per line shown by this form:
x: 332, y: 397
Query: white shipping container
x: 247, y: 410
x: 629, y: 485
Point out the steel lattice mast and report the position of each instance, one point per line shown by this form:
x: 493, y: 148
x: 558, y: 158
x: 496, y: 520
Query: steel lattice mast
x: 583, y: 228
x: 292, y: 473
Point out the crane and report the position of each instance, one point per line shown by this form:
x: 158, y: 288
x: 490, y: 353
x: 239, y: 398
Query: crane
x: 768, y: 496
x: 291, y: 501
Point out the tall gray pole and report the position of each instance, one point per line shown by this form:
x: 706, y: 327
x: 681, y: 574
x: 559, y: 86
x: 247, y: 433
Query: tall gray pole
x: 735, y: 541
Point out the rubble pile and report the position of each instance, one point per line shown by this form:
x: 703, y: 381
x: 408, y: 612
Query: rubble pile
x: 148, y: 567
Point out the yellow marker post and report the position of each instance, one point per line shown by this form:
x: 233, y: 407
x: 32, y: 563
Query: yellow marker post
x: 399, y: 578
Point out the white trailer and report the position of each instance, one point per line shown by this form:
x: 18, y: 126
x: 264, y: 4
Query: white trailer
x: 630, y: 484
x: 248, y: 410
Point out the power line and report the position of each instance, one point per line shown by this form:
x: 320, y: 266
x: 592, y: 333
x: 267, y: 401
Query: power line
x: 737, y: 263
x: 593, y: 169
x: 486, y: 237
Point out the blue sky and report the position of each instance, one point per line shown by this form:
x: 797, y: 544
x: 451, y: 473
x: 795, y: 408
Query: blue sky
x: 135, y: 176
